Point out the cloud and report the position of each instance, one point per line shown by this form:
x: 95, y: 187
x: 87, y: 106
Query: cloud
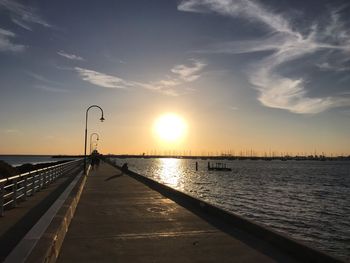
x: 50, y: 89
x: 6, y: 44
x: 22, y: 15
x: 10, y: 131
x: 21, y: 24
x: 70, y: 56
x: 290, y: 94
x: 40, y: 78
x: 103, y: 80
x: 330, y: 67
x: 189, y: 73
x: 182, y: 73
x: 245, y: 8
x: 168, y: 86
x: 286, y: 44
x: 46, y: 84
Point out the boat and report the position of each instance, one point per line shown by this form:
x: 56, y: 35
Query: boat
x: 218, y: 167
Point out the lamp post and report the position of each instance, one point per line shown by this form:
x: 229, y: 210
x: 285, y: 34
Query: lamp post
x: 86, y: 120
x: 97, y: 138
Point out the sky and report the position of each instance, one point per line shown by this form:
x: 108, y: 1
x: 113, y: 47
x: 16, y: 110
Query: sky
x: 245, y: 75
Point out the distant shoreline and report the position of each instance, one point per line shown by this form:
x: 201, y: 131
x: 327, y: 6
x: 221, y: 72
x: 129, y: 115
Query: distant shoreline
x: 254, y: 158
x: 222, y: 157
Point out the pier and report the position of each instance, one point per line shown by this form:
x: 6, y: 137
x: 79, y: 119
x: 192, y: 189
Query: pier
x: 111, y: 216
x: 119, y: 219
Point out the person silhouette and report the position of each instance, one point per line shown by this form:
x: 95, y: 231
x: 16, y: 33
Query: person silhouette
x: 125, y: 167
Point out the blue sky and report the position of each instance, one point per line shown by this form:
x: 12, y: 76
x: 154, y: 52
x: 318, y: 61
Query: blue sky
x: 244, y: 74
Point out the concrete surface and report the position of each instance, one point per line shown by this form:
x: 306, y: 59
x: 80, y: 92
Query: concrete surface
x: 119, y: 219
x: 18, y: 221
x: 48, y: 246
x: 25, y: 247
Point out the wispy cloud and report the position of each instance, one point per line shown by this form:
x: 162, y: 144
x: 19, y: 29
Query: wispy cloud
x: 70, y: 56
x: 332, y: 67
x: 21, y: 24
x: 168, y: 86
x: 189, y: 72
x: 10, y: 131
x: 182, y: 73
x: 40, y: 77
x: 286, y: 44
x: 244, y: 8
x: 23, y: 16
x: 50, y: 89
x: 46, y: 84
x: 6, y: 44
x: 233, y: 108
x: 103, y: 80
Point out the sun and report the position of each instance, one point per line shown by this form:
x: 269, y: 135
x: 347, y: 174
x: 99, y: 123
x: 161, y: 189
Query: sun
x: 170, y: 127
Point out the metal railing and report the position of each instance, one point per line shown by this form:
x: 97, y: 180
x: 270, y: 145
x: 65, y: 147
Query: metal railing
x: 19, y: 187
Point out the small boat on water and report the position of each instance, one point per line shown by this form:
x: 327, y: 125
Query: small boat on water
x: 218, y: 167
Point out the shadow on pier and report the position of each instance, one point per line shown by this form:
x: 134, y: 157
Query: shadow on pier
x: 113, y: 177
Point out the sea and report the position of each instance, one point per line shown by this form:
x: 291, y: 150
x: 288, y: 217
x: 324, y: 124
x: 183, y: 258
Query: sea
x: 306, y: 200
x: 16, y: 160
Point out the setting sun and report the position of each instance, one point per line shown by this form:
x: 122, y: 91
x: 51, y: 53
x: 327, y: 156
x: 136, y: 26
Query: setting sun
x: 170, y: 127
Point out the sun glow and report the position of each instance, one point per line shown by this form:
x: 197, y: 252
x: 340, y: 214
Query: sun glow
x: 170, y: 127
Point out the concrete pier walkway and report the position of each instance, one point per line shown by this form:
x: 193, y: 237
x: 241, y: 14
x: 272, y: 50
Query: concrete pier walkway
x: 119, y: 219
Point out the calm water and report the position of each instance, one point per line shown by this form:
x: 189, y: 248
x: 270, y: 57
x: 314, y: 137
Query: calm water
x: 16, y: 160
x: 308, y: 200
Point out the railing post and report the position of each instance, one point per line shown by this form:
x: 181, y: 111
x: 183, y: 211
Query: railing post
x: 33, y: 183
x: 25, y: 186
x: 41, y: 181
x: 2, y: 192
x: 54, y: 175
x: 63, y: 170
x: 45, y: 178
x: 49, y: 176
x: 49, y: 173
x: 14, y: 190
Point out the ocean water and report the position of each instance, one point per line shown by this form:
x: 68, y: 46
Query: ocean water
x: 307, y: 200
x: 16, y: 160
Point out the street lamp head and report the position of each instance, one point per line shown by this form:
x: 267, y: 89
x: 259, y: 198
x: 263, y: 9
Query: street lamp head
x: 102, y: 119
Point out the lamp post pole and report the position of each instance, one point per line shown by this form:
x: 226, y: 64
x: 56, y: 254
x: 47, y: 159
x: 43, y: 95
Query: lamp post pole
x: 86, y: 120
x: 97, y: 136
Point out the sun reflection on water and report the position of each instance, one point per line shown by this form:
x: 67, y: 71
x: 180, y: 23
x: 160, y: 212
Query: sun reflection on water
x: 170, y: 171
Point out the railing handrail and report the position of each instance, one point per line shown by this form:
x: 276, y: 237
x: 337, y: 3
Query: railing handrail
x: 4, y: 180
x: 19, y: 187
